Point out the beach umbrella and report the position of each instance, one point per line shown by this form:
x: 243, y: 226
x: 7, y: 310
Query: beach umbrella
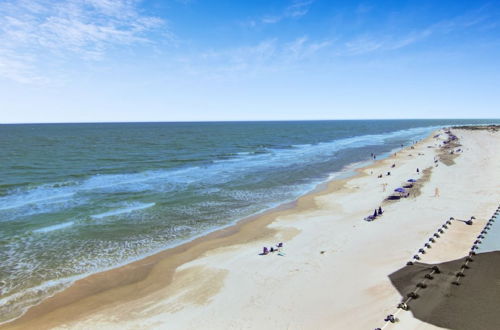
x: 400, y: 190
x: 412, y: 180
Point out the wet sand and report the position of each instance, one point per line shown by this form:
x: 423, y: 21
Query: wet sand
x: 335, y: 267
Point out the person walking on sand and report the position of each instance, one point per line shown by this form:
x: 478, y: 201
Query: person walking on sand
x: 436, y: 192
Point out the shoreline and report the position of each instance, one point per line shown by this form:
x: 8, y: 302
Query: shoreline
x: 143, y: 278
x: 144, y: 264
x: 349, y: 171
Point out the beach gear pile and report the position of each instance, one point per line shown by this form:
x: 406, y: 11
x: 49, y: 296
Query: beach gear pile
x: 272, y: 249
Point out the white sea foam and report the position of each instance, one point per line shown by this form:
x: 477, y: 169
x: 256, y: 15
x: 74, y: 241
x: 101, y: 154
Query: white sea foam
x: 129, y: 209
x: 202, y: 178
x: 63, y: 196
x: 219, y: 172
x: 54, y: 227
x: 18, y: 303
x: 42, y: 194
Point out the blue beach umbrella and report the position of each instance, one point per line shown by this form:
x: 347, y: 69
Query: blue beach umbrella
x: 412, y: 180
x: 400, y: 190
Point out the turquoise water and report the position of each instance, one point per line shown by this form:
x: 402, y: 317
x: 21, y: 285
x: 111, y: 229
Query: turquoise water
x: 79, y: 198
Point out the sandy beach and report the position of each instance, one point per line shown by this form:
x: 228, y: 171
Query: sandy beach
x: 333, y: 271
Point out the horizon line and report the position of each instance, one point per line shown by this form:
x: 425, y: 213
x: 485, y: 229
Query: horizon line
x: 234, y: 121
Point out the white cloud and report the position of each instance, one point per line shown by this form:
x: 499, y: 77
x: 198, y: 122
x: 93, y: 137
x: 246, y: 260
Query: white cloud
x: 301, y: 48
x: 362, y: 45
x: 83, y: 29
x: 371, y: 43
x: 296, y: 9
x: 240, y: 58
x: 270, y: 19
x: 18, y: 68
x: 270, y: 55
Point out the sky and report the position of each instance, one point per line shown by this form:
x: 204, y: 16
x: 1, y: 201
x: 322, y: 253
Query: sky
x: 197, y: 60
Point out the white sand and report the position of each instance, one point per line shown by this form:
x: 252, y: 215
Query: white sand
x: 346, y: 287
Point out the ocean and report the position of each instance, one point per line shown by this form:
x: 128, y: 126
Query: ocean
x: 76, y: 199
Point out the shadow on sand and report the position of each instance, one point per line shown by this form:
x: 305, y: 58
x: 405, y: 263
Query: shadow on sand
x: 472, y: 304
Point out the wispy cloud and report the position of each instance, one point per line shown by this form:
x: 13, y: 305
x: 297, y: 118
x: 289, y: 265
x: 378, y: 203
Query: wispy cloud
x: 296, y: 9
x: 362, y: 45
x: 236, y: 59
x: 270, y: 55
x: 302, y: 48
x: 18, y: 68
x: 83, y: 29
x: 368, y: 43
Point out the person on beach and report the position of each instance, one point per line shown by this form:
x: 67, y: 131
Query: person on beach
x: 375, y: 213
x: 380, y: 210
x: 390, y: 318
x: 418, y: 171
x: 384, y: 186
x: 436, y: 192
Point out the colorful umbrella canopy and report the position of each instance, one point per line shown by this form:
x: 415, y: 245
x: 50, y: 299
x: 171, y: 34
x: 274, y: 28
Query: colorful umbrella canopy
x: 401, y: 190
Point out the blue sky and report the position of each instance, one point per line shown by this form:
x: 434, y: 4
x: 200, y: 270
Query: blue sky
x: 152, y: 60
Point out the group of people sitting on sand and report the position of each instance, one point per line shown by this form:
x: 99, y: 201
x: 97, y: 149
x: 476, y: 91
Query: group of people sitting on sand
x: 376, y: 213
x: 266, y: 250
